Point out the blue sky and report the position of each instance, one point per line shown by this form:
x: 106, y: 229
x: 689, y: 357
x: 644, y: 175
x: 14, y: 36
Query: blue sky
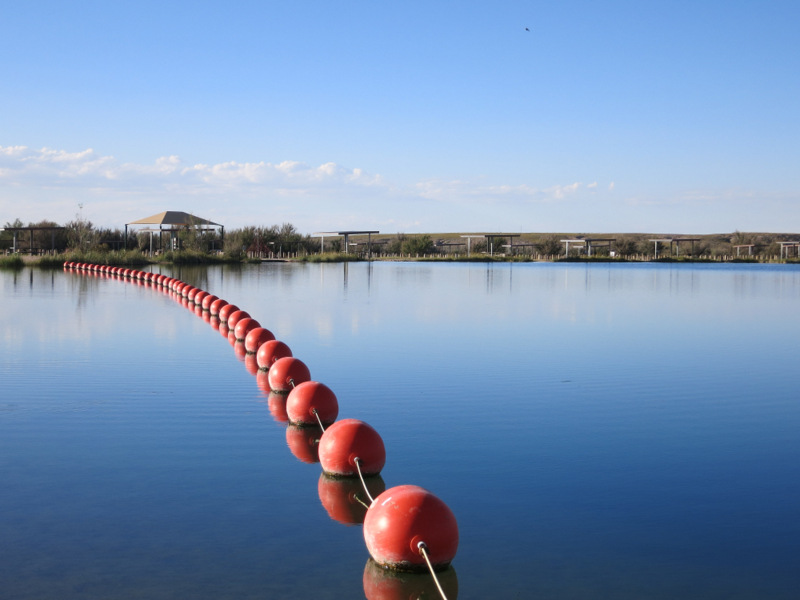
x: 618, y: 116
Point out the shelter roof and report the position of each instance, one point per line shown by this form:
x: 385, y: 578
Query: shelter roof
x: 173, y: 217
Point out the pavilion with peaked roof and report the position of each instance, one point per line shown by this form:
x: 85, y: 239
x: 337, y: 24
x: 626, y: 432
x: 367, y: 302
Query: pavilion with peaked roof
x: 173, y: 221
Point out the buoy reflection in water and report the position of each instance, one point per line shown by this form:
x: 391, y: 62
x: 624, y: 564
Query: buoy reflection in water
x: 385, y: 584
x: 344, y: 497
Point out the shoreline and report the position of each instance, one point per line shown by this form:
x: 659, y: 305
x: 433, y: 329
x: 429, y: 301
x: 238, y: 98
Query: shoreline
x: 19, y: 261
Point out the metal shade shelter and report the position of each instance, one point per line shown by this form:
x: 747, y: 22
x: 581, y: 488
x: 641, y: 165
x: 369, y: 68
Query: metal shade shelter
x: 174, y: 221
x: 31, y: 229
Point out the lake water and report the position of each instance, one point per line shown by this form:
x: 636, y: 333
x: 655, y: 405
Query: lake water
x: 599, y: 431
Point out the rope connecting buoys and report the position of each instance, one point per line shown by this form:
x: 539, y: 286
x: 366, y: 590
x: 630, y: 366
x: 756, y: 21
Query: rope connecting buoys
x: 351, y: 445
x: 406, y: 528
x: 312, y: 403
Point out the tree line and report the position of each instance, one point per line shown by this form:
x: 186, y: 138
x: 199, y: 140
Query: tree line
x: 82, y: 236
x: 277, y: 241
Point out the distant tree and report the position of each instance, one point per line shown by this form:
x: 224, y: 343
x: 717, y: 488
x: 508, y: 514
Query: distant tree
x: 47, y: 238
x: 418, y: 244
x: 80, y: 233
x: 550, y: 246
x: 7, y: 237
x: 237, y: 241
x: 395, y: 245
x: 627, y: 246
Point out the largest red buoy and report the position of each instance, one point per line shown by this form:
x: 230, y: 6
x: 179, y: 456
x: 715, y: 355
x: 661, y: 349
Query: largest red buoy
x: 287, y: 372
x: 348, y: 440
x: 404, y: 518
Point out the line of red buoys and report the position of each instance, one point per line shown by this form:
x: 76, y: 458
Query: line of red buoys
x: 406, y: 528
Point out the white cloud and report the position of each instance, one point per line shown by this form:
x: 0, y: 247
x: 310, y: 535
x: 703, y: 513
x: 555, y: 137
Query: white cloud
x: 559, y: 192
x: 47, y: 183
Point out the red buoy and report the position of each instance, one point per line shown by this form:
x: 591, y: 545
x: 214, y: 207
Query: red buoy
x: 207, y: 300
x: 225, y: 311
x: 404, y: 518
x: 285, y: 373
x: 199, y: 296
x: 348, y: 440
x: 216, y: 306
x: 255, y: 337
x: 309, y: 400
x: 243, y: 326
x: 235, y: 316
x: 193, y: 291
x: 269, y: 352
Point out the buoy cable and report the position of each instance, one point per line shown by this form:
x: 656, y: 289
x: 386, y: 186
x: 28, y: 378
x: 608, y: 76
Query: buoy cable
x: 360, y: 501
x: 363, y: 483
x: 316, y: 414
x: 422, y: 547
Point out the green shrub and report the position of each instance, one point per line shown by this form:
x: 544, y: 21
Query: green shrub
x: 11, y: 262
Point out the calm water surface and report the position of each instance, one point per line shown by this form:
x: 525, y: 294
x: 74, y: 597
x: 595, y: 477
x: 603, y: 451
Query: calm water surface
x: 602, y: 431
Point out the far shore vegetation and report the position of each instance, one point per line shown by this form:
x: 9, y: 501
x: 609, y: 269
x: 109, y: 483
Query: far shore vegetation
x: 48, y: 244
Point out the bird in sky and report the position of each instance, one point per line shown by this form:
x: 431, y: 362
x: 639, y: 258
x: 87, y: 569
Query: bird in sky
x: 527, y: 29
